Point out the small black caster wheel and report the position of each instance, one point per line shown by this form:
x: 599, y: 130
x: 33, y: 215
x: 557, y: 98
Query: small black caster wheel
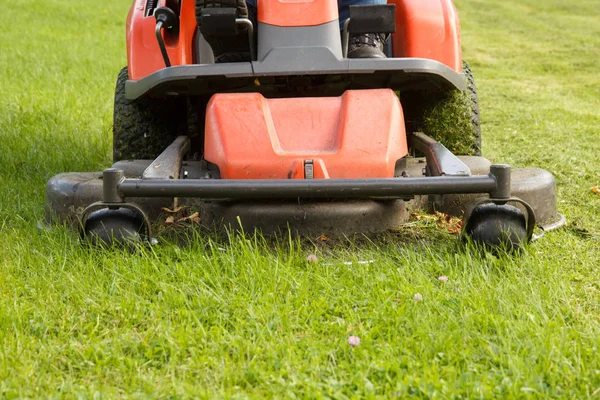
x: 497, y: 227
x: 110, y: 227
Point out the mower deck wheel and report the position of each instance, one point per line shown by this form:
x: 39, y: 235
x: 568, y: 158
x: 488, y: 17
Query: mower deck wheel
x: 114, y: 227
x: 497, y: 227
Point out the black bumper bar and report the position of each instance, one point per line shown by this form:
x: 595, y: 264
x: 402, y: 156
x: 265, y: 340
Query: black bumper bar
x: 117, y: 188
x: 313, y: 188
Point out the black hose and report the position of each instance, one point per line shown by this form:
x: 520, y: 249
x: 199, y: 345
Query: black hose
x: 161, y: 42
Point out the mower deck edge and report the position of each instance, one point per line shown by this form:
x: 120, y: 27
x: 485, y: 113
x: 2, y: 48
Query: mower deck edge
x: 68, y: 194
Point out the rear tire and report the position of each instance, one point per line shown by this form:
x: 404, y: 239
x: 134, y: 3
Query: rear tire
x: 473, y: 106
x: 144, y: 127
x: 450, y: 117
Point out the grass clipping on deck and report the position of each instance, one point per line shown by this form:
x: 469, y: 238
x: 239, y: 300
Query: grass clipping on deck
x: 448, y: 118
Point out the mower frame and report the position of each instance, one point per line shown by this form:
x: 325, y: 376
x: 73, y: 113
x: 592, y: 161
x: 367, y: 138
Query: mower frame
x: 301, y: 60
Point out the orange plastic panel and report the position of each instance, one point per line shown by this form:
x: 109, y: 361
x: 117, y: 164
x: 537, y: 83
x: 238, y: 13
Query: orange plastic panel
x: 357, y: 135
x: 143, y: 53
x: 297, y: 12
x: 428, y: 29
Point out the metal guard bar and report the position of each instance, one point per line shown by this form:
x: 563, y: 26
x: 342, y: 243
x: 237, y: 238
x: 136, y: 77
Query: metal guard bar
x: 309, y: 188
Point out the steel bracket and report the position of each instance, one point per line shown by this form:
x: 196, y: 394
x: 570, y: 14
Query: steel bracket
x: 440, y: 160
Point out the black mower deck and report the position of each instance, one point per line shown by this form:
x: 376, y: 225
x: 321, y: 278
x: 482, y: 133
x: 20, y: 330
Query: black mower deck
x: 67, y: 195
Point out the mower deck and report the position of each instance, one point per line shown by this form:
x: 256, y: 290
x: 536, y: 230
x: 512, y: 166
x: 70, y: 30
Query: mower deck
x: 68, y: 194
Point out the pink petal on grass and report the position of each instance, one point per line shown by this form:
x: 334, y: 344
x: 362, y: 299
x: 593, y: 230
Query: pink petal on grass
x: 312, y: 259
x: 443, y: 278
x: 418, y: 297
x: 353, y: 341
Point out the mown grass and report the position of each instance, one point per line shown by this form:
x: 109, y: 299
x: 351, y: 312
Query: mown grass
x: 241, y: 317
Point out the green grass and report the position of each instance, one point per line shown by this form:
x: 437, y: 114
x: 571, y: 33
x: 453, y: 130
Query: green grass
x: 244, y: 318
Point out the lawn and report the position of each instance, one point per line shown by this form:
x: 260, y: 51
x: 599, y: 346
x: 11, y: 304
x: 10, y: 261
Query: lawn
x: 246, y: 318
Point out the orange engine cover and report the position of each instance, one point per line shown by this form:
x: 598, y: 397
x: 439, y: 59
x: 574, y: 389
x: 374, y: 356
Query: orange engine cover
x: 357, y: 135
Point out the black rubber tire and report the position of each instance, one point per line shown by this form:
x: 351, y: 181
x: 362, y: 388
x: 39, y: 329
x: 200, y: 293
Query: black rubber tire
x: 474, y: 104
x: 144, y: 127
x: 106, y: 227
x: 450, y: 117
x: 497, y: 227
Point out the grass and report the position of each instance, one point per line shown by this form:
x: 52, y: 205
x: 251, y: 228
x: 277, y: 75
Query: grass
x: 243, y: 318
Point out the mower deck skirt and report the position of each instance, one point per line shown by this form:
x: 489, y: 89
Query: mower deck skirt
x: 306, y: 188
x: 343, y: 210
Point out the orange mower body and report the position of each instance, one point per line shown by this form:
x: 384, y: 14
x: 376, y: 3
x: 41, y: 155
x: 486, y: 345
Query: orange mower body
x: 289, y: 132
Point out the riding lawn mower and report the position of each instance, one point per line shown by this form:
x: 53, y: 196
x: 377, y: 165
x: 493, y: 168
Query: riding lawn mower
x: 293, y: 134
